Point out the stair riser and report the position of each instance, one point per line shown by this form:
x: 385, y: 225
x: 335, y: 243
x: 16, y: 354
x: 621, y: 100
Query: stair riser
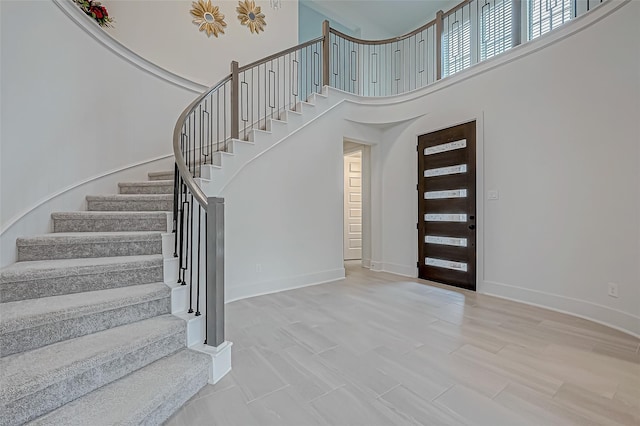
x: 35, y: 337
x: 180, y: 397
x: 155, y: 392
x: 77, y: 282
x: 109, y: 225
x: 78, y: 385
x: 130, y: 205
x: 163, y: 176
x: 97, y: 249
x: 145, y: 189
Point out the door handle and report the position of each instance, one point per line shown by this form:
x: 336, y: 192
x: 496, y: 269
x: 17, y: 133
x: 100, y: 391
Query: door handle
x: 472, y: 227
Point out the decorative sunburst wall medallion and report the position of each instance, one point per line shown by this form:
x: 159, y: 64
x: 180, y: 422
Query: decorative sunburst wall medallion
x: 208, y: 18
x: 249, y: 14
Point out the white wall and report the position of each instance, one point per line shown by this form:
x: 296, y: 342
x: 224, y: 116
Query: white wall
x: 558, y: 138
x: 281, y: 213
x: 284, y: 211
x: 558, y: 130
x: 72, y: 111
x: 162, y: 32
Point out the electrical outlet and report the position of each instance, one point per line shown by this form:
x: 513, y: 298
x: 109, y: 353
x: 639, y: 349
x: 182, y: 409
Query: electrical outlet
x: 493, y: 194
x: 613, y: 289
x: 258, y: 267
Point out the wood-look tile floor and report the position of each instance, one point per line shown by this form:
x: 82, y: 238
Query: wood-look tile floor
x: 378, y: 349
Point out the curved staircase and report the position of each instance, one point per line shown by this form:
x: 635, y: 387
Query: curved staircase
x: 87, y: 334
x: 93, y: 327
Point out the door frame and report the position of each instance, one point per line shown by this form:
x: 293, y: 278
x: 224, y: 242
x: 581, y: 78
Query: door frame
x: 439, y: 122
x: 353, y: 157
x: 349, y: 146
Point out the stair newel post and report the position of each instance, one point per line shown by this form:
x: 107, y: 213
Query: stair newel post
x: 325, y: 53
x: 439, y: 29
x: 215, y: 271
x: 235, y: 105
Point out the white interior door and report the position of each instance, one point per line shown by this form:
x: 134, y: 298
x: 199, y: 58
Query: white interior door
x: 353, y: 206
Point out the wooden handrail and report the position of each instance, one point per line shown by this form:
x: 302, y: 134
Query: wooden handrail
x: 387, y: 40
x: 279, y: 54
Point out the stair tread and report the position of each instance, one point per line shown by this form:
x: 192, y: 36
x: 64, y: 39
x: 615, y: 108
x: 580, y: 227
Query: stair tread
x: 162, y: 182
x: 133, y: 398
x: 115, y: 215
x: 32, y: 269
x: 80, y: 237
x: 29, y: 372
x: 127, y: 197
x: 24, y: 314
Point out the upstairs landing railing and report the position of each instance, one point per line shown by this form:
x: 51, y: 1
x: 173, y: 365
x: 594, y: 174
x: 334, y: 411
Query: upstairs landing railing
x: 469, y: 33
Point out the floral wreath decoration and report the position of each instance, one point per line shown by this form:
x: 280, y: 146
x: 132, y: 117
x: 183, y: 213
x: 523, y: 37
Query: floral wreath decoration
x: 97, y: 11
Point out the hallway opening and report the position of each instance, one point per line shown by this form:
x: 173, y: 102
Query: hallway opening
x: 356, y: 206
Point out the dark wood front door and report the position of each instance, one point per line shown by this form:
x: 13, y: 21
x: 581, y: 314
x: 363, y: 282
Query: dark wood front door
x: 447, y: 206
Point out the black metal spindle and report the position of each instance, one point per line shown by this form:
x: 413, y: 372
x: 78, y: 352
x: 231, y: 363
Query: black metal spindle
x: 224, y: 117
x: 199, y: 130
x: 183, y: 254
x: 176, y: 176
x: 206, y: 273
x: 198, y: 264
x: 189, y: 253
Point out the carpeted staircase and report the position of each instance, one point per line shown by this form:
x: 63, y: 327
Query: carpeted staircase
x: 86, y: 331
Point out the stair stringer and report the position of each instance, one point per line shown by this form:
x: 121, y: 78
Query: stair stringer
x: 219, y: 358
x: 227, y: 165
x: 180, y: 293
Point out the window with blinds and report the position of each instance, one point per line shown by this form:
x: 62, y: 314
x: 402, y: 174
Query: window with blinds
x: 546, y: 15
x: 456, y: 47
x: 495, y: 27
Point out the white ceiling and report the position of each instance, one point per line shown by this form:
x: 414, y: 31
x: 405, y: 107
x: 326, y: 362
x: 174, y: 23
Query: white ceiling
x: 381, y: 18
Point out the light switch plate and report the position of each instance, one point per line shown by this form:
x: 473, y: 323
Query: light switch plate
x: 493, y: 194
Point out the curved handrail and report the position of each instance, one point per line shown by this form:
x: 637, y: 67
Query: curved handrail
x: 384, y: 67
x: 269, y: 88
x: 457, y: 7
x: 181, y: 163
x: 404, y: 36
x: 386, y: 40
x: 280, y: 54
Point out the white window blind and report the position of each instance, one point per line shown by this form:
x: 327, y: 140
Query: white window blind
x: 546, y: 15
x: 495, y: 27
x: 456, y: 47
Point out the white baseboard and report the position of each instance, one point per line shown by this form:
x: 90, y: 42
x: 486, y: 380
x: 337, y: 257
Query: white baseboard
x: 616, y: 319
x: 376, y: 265
x: 220, y: 359
x: 600, y: 314
x: 234, y: 292
x: 404, y: 270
